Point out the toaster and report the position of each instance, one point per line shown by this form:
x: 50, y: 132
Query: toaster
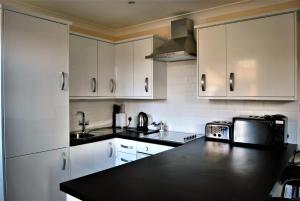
x: 218, y: 130
x: 268, y: 130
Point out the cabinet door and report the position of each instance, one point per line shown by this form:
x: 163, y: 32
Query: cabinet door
x: 83, y: 66
x: 142, y: 67
x: 92, y: 157
x: 261, y: 57
x: 37, y: 176
x: 125, y: 146
x: 123, y: 158
x: 124, y: 69
x: 36, y: 107
x: 150, y: 148
x: 104, y: 155
x: 82, y: 160
x: 106, y: 69
x: 212, y: 61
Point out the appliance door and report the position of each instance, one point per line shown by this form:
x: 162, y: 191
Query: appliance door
x: 37, y: 176
x: 35, y: 84
x: 140, y: 155
x: 257, y: 132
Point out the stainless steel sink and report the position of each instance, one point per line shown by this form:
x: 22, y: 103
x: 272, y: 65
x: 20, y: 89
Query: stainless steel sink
x: 80, y: 135
x: 105, y: 131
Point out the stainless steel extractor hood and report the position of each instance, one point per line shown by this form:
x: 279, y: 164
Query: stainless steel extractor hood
x: 182, y: 45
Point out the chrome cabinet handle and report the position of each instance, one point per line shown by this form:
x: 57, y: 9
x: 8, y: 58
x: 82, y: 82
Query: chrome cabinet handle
x: 126, y: 147
x: 112, y: 86
x: 64, y: 164
x: 124, y: 160
x: 203, y: 82
x: 63, y: 78
x: 111, y: 150
x: 147, y: 84
x: 231, y: 81
x: 94, y: 83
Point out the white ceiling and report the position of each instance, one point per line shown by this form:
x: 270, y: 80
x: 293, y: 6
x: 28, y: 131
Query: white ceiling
x: 119, y: 14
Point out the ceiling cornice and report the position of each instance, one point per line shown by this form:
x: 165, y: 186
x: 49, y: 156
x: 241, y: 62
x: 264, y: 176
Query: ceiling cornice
x: 78, y: 22
x: 199, y: 17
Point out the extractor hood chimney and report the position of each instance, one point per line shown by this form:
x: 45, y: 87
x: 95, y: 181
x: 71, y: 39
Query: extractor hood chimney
x: 182, y: 45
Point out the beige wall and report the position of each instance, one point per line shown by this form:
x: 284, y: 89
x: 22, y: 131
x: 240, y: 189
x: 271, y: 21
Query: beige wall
x: 162, y: 27
x: 213, y: 16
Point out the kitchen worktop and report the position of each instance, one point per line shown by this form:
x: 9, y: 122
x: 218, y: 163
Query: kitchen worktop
x: 119, y: 133
x: 199, y: 170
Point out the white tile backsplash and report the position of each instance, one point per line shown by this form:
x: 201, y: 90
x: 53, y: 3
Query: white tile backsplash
x: 98, y: 113
x: 182, y: 111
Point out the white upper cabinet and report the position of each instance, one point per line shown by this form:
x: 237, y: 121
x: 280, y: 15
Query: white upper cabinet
x: 124, y: 69
x: 261, y: 57
x: 142, y: 67
x: 138, y: 77
x: 101, y: 69
x: 35, y: 84
x: 251, y: 59
x: 83, y: 66
x: 212, y: 61
x: 106, y: 69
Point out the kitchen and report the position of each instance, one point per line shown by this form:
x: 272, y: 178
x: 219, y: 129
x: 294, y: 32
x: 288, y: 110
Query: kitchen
x: 97, y: 69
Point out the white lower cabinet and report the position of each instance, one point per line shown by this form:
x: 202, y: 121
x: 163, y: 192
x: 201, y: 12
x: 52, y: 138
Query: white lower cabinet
x: 125, y: 151
x: 37, y: 176
x: 151, y: 149
x: 125, y: 146
x: 123, y: 158
x: 71, y: 198
x: 92, y: 157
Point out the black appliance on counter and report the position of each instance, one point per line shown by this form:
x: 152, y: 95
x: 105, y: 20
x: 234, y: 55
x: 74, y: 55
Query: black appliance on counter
x: 142, y: 121
x: 218, y: 130
x: 116, y: 110
x: 268, y: 130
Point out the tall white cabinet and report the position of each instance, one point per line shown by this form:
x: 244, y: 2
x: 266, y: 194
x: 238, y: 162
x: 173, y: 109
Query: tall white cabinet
x: 249, y: 59
x: 37, y: 176
x: 35, y: 52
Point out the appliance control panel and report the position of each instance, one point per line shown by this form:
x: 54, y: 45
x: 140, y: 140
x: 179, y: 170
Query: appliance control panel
x: 189, y: 138
x: 218, y: 130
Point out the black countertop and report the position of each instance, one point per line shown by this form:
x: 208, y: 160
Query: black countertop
x: 197, y: 171
x: 111, y: 133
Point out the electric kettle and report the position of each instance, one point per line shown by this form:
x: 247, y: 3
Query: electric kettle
x: 142, y: 121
